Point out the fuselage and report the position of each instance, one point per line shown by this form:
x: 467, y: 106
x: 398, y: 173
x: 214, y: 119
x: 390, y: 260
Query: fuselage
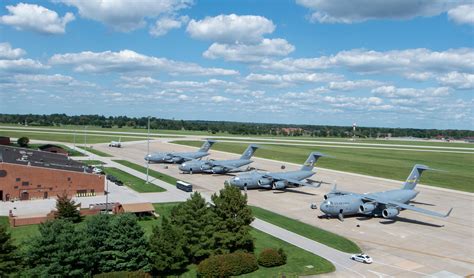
x: 256, y: 179
x: 217, y: 166
x: 174, y: 157
x: 349, y: 204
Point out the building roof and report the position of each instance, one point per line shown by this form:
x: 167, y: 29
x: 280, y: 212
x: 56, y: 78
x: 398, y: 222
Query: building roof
x: 138, y: 207
x: 23, y: 156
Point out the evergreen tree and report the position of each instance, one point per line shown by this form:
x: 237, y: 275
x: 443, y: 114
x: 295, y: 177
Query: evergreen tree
x: 125, y: 246
x: 23, y: 141
x: 167, y: 249
x: 97, y: 232
x: 58, y: 251
x: 196, y: 220
x: 233, y: 221
x: 67, y: 209
x: 9, y: 258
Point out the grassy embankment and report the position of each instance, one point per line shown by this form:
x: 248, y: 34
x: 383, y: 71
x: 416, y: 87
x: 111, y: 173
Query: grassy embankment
x: 96, y: 152
x: 132, y: 182
x: 153, y: 173
x: 392, y: 164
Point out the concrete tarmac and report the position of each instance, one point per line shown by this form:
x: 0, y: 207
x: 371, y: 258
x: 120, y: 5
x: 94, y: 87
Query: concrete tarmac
x: 412, y: 245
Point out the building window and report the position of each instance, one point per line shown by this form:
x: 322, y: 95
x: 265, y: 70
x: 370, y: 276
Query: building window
x: 3, y: 173
x: 25, y: 183
x: 69, y: 179
x: 18, y: 179
x: 16, y: 187
x: 39, y: 185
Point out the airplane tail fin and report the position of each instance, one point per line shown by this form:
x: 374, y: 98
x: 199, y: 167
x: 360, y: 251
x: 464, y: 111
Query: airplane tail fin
x: 312, y: 158
x: 207, y: 145
x: 248, y: 153
x: 414, y: 176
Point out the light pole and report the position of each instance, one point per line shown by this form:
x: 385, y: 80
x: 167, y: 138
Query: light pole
x: 148, y: 150
x: 354, y: 125
x: 74, y: 139
x: 107, y: 196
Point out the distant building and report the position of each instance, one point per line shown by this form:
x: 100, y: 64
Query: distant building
x: 4, y: 140
x: 28, y: 174
x: 53, y: 149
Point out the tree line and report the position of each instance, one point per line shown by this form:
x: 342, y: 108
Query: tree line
x: 215, y: 237
x: 240, y: 128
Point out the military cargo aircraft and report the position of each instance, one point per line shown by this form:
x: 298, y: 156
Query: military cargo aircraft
x: 278, y: 180
x: 116, y: 144
x: 219, y: 166
x: 387, y: 204
x: 179, y: 157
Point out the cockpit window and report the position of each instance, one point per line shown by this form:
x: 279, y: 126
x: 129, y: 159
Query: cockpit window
x: 329, y: 203
x: 236, y: 178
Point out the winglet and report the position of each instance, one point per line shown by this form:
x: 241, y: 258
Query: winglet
x: 449, y: 212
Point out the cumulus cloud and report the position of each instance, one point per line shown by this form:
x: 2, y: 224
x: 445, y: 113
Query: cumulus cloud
x: 249, y: 53
x: 394, y: 92
x: 36, y: 18
x: 163, y: 25
x: 231, y: 28
x: 370, y: 61
x: 21, y: 65
x: 463, y: 14
x: 327, y: 11
x: 219, y: 99
x: 349, y: 85
x: 130, y: 61
x: 463, y: 81
x: 8, y: 53
x: 292, y: 78
x: 124, y: 15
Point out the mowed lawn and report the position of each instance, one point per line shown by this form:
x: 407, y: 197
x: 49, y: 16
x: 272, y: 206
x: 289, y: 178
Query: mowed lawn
x: 96, y: 152
x: 153, y: 173
x: 458, y: 169
x: 68, y: 138
x: 133, y: 182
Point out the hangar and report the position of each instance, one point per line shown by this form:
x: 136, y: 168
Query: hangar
x: 29, y: 174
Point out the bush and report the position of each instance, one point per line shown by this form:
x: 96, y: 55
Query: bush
x: 227, y: 265
x: 271, y: 257
x: 23, y: 141
x: 123, y: 274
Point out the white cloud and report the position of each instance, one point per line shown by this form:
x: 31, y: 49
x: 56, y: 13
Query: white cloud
x: 163, y: 25
x: 292, y: 78
x: 394, y: 92
x: 349, y: 85
x: 328, y: 11
x: 21, y: 65
x: 463, y: 14
x: 457, y: 80
x: 231, y: 28
x: 7, y: 52
x: 130, y: 61
x: 418, y: 76
x: 249, y: 53
x: 36, y: 18
x: 124, y: 15
x: 371, y: 61
x: 219, y: 99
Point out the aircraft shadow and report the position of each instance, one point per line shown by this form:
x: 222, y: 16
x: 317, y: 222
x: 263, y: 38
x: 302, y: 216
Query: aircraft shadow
x: 407, y: 220
x: 293, y: 191
x: 421, y: 203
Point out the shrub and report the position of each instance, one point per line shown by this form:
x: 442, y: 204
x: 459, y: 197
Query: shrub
x: 271, y: 257
x: 23, y: 141
x: 227, y: 265
x: 123, y: 274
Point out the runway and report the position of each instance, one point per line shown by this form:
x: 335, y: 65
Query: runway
x: 412, y: 246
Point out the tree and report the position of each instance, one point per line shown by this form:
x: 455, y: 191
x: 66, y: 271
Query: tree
x: 126, y: 246
x: 233, y: 221
x: 23, y: 142
x: 196, y: 220
x: 9, y: 258
x: 58, y: 251
x: 67, y: 209
x: 97, y: 230
x: 167, y: 248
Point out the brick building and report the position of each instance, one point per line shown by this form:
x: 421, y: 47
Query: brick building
x: 28, y: 174
x: 4, y: 140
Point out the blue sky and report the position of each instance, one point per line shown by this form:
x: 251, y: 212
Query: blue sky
x: 377, y: 63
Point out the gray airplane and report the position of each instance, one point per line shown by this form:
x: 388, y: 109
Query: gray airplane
x: 279, y: 180
x: 387, y: 204
x: 219, y: 166
x: 179, y: 157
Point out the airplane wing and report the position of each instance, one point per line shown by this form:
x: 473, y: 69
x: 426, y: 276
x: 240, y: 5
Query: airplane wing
x: 292, y: 181
x: 407, y: 207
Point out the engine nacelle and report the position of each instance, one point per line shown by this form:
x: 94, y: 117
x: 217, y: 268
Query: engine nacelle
x: 329, y: 195
x: 280, y: 184
x: 205, y: 167
x: 264, y: 182
x: 218, y: 170
x: 367, y: 208
x: 167, y: 158
x: 390, y: 212
x: 176, y: 159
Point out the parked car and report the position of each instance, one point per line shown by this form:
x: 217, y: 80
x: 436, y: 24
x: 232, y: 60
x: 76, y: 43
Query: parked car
x: 96, y: 170
x: 363, y: 258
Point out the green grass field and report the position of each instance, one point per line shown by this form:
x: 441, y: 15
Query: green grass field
x: 96, y: 152
x: 91, y: 162
x: 303, y: 229
x: 458, y: 169
x: 132, y: 182
x: 152, y: 173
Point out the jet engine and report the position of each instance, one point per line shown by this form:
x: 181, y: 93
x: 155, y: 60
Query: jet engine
x: 390, y: 212
x: 176, y: 159
x: 329, y: 195
x: 280, y: 184
x: 367, y: 208
x: 167, y: 158
x: 264, y: 182
x: 218, y: 170
x: 206, y: 167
